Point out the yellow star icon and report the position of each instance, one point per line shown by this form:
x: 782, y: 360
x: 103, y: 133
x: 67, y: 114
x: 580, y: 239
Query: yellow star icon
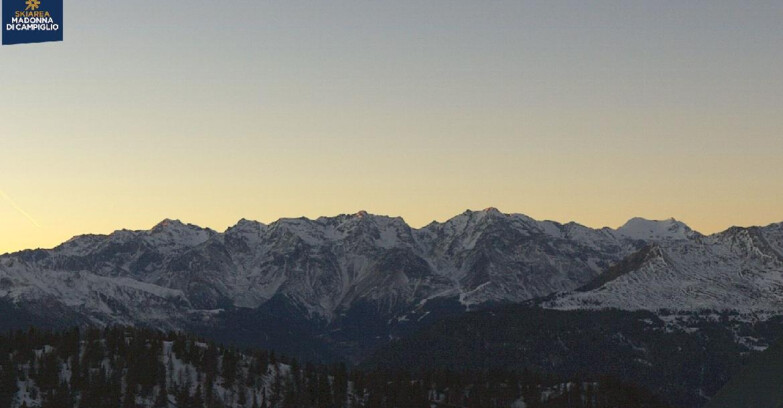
x: 32, y: 4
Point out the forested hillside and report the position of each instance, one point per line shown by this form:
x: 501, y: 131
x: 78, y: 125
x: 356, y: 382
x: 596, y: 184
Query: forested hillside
x: 757, y: 385
x: 130, y: 367
x: 682, y: 361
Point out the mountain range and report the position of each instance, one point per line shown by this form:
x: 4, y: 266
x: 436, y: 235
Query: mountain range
x: 355, y: 280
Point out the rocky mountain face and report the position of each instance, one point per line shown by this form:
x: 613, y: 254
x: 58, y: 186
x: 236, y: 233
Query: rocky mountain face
x: 738, y: 270
x: 357, y: 275
x: 323, y: 266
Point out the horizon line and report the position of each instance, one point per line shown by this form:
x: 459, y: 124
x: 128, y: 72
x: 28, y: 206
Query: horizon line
x: 362, y: 213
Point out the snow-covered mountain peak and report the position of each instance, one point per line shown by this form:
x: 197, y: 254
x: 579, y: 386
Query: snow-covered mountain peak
x: 330, y: 264
x: 475, y: 217
x: 174, y: 232
x: 244, y: 224
x: 246, y: 228
x: 643, y: 229
x: 361, y: 217
x: 168, y: 223
x: 81, y: 244
x: 489, y: 212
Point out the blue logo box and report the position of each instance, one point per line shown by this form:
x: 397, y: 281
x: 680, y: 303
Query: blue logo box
x: 32, y: 21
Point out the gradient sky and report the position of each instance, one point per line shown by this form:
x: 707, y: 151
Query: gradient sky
x: 210, y: 112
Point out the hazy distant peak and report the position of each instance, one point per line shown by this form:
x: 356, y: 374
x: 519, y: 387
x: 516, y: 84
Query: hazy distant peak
x: 641, y: 221
x: 644, y: 229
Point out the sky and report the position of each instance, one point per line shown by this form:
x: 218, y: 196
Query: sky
x: 208, y: 112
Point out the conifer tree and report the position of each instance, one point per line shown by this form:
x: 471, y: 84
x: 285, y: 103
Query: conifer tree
x: 263, y: 398
x: 229, y: 368
x: 8, y: 384
x: 198, y: 398
x: 324, y: 391
x: 129, y: 399
x: 242, y: 395
x: 162, y: 399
